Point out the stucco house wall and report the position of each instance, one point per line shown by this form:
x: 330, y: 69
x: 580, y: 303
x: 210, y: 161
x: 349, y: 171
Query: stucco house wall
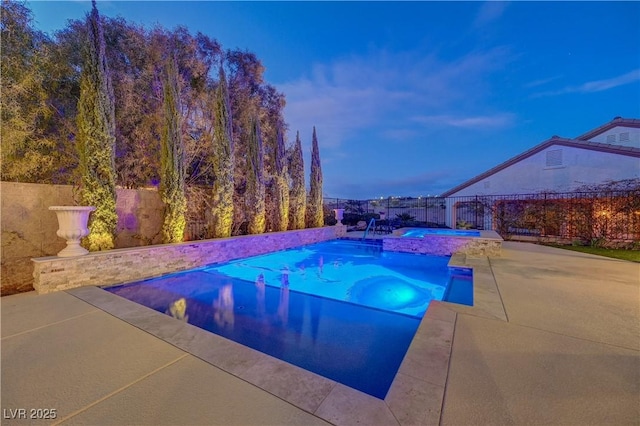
x: 579, y: 167
x: 610, y: 152
x: 618, y: 135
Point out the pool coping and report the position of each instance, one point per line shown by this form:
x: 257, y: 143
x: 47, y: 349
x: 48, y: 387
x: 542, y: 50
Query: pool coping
x: 415, y: 396
x: 487, y: 300
x: 482, y: 233
x: 499, y: 370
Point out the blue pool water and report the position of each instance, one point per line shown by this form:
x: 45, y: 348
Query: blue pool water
x: 460, y: 287
x: 419, y: 233
x: 351, y: 271
x: 345, y: 310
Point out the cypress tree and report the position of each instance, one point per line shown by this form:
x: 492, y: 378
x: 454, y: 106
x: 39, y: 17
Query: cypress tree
x: 255, y: 183
x: 314, y: 209
x: 172, y: 160
x: 96, y: 138
x: 281, y: 190
x: 298, y: 194
x: 223, y: 162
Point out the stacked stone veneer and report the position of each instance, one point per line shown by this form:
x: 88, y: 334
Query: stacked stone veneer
x: 123, y: 265
x: 446, y: 245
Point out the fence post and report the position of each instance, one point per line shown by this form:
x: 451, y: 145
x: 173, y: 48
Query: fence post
x: 544, y: 216
x: 426, y: 210
x: 476, y: 211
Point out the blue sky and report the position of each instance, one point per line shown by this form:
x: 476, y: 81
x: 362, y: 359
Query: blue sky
x: 414, y: 98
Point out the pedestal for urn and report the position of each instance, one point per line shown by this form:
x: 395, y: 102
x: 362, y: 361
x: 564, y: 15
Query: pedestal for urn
x: 72, y: 224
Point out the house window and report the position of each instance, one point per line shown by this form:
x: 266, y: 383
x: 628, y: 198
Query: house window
x: 554, y: 158
x: 611, y: 139
x: 624, y: 137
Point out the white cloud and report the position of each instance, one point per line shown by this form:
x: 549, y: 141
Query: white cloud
x: 470, y: 122
x: 362, y: 106
x: 400, y: 135
x: 541, y: 81
x: 600, y: 85
x: 336, y: 111
x: 596, y: 86
x: 489, y: 12
x: 383, y: 90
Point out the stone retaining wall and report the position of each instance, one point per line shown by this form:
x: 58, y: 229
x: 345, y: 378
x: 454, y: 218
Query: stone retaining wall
x: 445, y: 245
x: 132, y: 264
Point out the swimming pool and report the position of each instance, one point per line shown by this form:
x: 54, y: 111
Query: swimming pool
x: 351, y: 271
x: 344, y: 310
x: 422, y: 232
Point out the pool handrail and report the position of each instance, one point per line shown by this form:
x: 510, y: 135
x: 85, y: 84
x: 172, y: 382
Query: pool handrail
x: 372, y: 222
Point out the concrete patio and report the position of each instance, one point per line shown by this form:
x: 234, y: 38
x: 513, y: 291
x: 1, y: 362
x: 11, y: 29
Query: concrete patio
x: 554, y: 338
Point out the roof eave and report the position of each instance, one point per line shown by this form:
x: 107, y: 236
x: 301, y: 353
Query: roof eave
x: 618, y: 121
x: 574, y: 143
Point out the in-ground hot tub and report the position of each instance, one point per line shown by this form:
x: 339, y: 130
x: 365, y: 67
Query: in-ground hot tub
x: 425, y: 232
x: 444, y: 242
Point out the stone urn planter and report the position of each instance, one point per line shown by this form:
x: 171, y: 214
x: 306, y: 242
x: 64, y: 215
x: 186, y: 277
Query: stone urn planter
x: 339, y: 215
x: 72, y: 222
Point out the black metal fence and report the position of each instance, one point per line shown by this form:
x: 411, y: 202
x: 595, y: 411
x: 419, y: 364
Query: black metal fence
x: 573, y: 216
x: 419, y: 211
x: 588, y: 217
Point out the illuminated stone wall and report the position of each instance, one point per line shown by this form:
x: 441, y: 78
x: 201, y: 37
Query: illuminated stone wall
x: 488, y: 244
x: 123, y: 265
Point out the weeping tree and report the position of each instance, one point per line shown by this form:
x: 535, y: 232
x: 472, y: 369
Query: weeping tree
x: 298, y: 194
x: 255, y: 192
x: 314, y: 206
x: 281, y: 186
x: 95, y: 138
x: 172, y: 171
x: 223, y: 162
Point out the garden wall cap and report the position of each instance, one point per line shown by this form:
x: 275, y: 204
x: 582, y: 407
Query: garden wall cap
x: 80, y: 208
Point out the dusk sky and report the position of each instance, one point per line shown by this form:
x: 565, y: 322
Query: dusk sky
x: 414, y: 98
